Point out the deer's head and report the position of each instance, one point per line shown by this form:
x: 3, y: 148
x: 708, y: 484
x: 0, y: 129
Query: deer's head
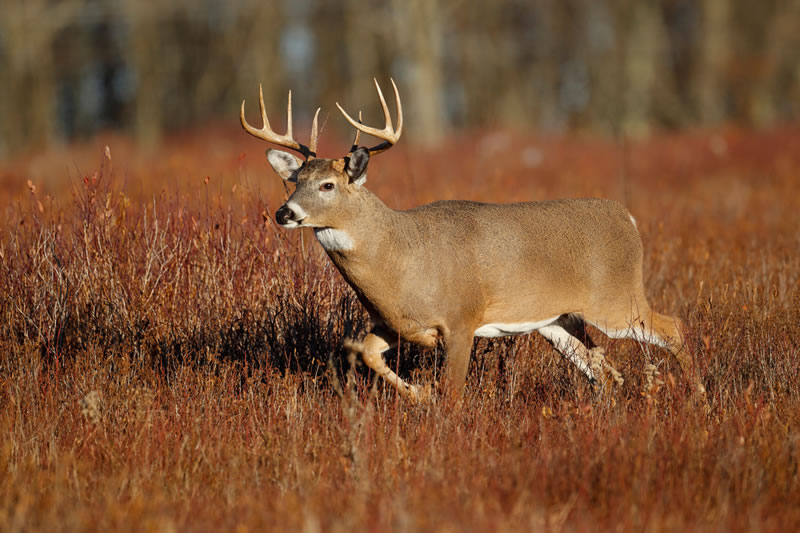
x: 327, y: 190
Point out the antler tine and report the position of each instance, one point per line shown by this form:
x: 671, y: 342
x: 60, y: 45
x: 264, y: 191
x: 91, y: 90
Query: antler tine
x: 388, y: 133
x: 264, y: 119
x: 287, y: 140
x: 312, y: 146
x: 385, y: 108
x: 289, y: 117
x: 354, y: 146
x: 398, y: 108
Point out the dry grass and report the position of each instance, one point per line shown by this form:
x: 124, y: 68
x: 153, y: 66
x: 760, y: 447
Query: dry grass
x: 170, y: 359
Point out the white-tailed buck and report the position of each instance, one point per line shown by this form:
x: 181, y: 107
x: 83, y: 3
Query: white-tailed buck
x: 451, y: 270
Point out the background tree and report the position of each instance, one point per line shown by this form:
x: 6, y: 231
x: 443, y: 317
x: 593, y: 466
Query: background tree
x: 73, y: 67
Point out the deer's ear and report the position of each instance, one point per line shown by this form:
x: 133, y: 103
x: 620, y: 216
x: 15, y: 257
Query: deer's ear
x: 357, y: 166
x: 284, y: 164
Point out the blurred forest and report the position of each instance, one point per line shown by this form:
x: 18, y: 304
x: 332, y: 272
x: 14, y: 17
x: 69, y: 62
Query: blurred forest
x: 71, y: 68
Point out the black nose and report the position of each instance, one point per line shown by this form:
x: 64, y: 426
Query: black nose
x: 283, y: 215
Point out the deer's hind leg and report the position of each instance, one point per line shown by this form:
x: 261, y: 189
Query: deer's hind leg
x: 669, y: 330
x: 574, y: 325
x: 568, y: 345
x: 644, y: 325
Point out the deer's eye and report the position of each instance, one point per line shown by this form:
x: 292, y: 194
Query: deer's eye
x: 327, y: 186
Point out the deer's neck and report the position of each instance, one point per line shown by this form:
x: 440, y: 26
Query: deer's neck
x: 360, y: 247
x: 361, y: 233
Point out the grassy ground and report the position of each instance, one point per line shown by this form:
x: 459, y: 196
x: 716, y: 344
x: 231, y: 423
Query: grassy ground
x: 170, y: 360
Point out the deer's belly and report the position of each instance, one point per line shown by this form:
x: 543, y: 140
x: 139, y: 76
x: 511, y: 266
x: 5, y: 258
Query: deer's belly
x: 498, y: 329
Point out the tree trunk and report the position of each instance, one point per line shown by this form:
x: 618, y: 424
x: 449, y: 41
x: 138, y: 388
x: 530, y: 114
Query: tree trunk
x: 418, y: 34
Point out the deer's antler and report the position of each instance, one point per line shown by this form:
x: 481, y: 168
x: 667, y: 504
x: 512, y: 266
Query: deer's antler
x: 287, y: 140
x: 388, y: 133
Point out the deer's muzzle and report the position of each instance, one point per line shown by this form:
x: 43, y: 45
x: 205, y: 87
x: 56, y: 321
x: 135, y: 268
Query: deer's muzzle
x: 284, y: 215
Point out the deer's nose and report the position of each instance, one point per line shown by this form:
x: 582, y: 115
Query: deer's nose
x: 284, y: 215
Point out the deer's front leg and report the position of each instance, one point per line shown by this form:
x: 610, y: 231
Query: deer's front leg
x: 459, y: 347
x: 371, y: 351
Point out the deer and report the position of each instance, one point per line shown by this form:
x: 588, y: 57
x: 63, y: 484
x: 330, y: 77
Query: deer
x: 443, y: 273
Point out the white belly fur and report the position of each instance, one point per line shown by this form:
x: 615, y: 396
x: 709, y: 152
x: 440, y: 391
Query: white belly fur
x: 503, y: 330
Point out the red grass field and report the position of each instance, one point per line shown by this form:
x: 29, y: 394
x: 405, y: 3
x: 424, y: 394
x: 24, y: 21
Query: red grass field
x: 171, y: 360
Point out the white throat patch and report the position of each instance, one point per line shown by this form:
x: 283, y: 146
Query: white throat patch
x: 334, y: 240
